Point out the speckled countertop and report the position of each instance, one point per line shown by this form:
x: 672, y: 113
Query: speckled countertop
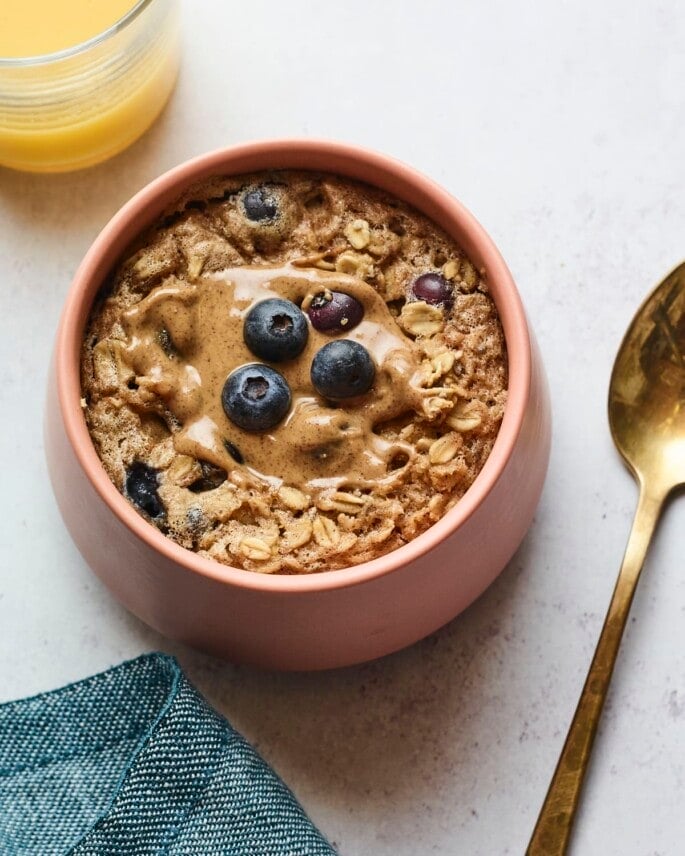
x: 563, y: 128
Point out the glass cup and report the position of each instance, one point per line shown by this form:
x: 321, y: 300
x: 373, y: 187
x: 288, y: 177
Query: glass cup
x: 77, y: 107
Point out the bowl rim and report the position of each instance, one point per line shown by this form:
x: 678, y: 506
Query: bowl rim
x: 148, y: 204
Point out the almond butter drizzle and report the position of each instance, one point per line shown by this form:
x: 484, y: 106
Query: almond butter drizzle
x: 317, y: 446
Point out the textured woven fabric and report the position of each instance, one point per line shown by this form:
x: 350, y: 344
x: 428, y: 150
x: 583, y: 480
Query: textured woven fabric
x: 134, y: 761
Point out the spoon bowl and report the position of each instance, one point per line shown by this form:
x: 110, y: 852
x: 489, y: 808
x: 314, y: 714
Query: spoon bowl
x: 647, y: 421
x: 647, y: 389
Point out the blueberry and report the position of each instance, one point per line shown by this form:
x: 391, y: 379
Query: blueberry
x: 433, y: 288
x: 260, y: 204
x: 195, y: 518
x: 334, y: 311
x: 255, y: 397
x: 141, y: 489
x: 342, y: 369
x: 211, y: 478
x: 276, y: 330
x: 234, y: 452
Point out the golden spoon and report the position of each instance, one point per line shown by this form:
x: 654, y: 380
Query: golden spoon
x: 647, y: 419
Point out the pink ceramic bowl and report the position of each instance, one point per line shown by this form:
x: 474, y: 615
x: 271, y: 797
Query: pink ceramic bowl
x: 326, y: 619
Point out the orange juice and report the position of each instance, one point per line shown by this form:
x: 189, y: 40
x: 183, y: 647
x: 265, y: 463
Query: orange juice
x: 81, y: 79
x: 34, y: 27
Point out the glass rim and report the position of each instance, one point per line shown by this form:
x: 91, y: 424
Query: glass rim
x: 81, y: 47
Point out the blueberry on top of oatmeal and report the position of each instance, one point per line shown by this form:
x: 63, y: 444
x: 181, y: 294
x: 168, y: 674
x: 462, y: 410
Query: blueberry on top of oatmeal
x: 256, y: 397
x: 276, y: 330
x: 211, y: 477
x: 434, y: 289
x: 334, y: 312
x: 260, y: 204
x: 342, y: 369
x: 141, y: 489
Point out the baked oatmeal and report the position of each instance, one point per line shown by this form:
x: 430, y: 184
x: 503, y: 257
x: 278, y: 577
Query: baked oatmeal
x: 293, y: 372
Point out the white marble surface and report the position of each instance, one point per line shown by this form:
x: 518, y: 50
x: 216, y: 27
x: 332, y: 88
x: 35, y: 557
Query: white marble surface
x: 562, y: 126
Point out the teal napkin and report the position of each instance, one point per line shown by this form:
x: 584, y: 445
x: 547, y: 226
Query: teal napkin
x: 134, y: 761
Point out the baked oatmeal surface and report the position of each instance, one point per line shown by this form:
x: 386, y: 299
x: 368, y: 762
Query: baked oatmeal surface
x: 336, y: 481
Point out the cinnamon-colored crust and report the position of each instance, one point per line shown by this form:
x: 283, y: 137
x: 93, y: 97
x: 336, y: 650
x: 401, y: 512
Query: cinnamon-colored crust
x: 444, y: 384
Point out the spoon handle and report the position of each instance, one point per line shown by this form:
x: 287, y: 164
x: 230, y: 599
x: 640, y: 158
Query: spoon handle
x: 553, y: 828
